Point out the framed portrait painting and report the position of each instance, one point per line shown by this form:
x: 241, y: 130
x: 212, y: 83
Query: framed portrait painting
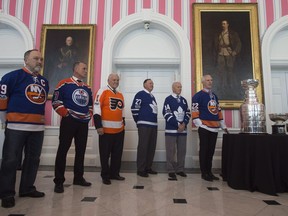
x: 227, y: 46
x: 62, y: 46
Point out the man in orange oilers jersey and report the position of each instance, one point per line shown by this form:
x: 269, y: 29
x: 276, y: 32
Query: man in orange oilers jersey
x: 207, y: 116
x: 109, y: 123
x: 23, y: 94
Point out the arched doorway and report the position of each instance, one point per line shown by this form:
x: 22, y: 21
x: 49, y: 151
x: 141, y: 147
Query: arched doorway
x: 275, y: 64
x: 13, y: 31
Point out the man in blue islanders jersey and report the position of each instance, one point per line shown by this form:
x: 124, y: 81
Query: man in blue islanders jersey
x: 72, y: 100
x: 207, y: 116
x: 144, y: 111
x: 177, y: 115
x: 23, y: 94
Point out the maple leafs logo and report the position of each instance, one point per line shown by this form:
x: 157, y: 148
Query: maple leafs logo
x: 154, y: 107
x: 179, y: 114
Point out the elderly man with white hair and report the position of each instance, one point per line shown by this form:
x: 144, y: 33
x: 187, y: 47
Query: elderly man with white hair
x: 177, y: 115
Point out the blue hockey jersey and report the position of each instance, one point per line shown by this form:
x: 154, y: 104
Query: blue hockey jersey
x: 206, y: 108
x: 73, y: 98
x: 175, y: 112
x: 144, y: 109
x: 22, y: 100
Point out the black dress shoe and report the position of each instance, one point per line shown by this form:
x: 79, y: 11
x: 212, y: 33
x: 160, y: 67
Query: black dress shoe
x: 33, y: 194
x: 59, y: 188
x: 206, y: 177
x: 181, y: 174
x: 172, y: 175
x: 142, y: 174
x: 119, y: 178
x: 106, y: 181
x: 8, y: 202
x: 82, y: 182
x: 150, y: 171
x: 213, y: 177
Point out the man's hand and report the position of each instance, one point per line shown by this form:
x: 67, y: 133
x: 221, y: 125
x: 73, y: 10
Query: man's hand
x: 100, y: 131
x: 181, y: 127
x: 226, y: 130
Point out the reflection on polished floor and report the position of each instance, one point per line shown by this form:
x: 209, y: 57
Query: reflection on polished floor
x: 151, y: 196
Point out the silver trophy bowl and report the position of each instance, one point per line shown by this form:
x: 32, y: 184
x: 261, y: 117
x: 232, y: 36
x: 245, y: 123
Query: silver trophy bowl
x: 252, y: 113
x: 249, y: 83
x: 279, y: 119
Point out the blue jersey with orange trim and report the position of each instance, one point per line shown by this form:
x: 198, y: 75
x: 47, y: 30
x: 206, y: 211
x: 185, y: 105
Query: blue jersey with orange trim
x: 22, y: 99
x: 206, y: 107
x: 73, y: 98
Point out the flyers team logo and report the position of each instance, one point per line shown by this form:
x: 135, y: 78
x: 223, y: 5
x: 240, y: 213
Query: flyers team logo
x: 36, y: 94
x: 116, y: 103
x: 212, y: 107
x: 80, y: 97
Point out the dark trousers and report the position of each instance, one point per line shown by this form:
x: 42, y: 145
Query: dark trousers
x: 14, y: 143
x: 111, y: 146
x: 207, y: 148
x: 71, y: 128
x: 146, y: 147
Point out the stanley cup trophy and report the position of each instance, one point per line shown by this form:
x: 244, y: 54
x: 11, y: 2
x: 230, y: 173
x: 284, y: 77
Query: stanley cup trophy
x: 252, y: 112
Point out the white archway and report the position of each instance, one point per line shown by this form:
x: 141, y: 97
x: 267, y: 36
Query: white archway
x: 13, y: 28
x: 270, y: 34
x: 167, y: 25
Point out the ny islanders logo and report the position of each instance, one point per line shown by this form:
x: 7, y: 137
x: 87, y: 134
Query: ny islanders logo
x: 80, y: 97
x: 212, y: 107
x: 36, y: 94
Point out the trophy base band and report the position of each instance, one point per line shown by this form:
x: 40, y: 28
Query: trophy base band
x: 278, y: 129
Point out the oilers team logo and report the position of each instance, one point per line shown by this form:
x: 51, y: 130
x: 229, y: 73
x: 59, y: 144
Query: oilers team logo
x: 36, y: 94
x: 212, y: 107
x: 80, y: 97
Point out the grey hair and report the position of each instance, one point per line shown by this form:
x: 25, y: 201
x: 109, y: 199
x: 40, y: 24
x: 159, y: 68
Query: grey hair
x: 203, y: 77
x: 27, y: 53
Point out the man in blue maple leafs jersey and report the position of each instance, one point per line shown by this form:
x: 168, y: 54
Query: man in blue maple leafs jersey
x: 144, y: 111
x: 177, y: 116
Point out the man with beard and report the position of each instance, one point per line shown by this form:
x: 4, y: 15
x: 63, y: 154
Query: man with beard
x: 22, y: 106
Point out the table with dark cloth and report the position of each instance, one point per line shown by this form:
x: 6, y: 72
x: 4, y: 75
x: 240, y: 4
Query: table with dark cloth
x: 256, y: 162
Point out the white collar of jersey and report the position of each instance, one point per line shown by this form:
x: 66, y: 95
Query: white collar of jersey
x: 76, y: 79
x: 175, y: 95
x: 207, y: 90
x: 147, y: 91
x: 114, y: 90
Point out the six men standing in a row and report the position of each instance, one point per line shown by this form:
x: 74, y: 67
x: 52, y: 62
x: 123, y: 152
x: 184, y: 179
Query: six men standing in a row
x: 23, y: 94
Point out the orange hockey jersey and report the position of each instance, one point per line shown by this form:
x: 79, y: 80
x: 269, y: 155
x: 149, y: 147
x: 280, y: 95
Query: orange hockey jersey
x: 109, y: 105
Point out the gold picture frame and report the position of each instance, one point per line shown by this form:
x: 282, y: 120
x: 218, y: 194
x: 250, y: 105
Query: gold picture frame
x: 60, y: 53
x: 242, y: 20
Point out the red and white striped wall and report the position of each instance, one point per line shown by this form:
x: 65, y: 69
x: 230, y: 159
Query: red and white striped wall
x: 106, y: 13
